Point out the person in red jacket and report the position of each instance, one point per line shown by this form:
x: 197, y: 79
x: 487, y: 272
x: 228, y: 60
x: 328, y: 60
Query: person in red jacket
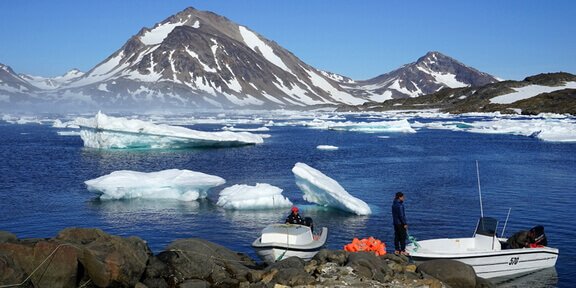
x: 294, y: 217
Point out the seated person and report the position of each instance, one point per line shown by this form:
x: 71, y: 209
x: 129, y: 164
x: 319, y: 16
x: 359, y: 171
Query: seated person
x: 294, y: 217
x: 521, y: 239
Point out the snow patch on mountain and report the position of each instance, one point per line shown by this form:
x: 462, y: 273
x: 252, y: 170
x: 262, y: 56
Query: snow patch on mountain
x: 259, y: 46
x: 159, y: 33
x: 529, y: 92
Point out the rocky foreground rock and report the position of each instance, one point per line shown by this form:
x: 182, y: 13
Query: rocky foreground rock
x: 79, y: 257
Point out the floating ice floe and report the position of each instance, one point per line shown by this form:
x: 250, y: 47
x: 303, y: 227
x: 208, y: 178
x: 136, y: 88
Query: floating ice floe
x: 235, y: 129
x: 326, y: 147
x: 323, y: 190
x: 397, y: 126
x: 177, y: 184
x: 554, y: 130
x: 245, y: 197
x: 104, y: 131
x: 551, y: 128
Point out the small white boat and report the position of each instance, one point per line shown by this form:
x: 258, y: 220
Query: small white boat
x: 485, y: 252
x: 280, y: 241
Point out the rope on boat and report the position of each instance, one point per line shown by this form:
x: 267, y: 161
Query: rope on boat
x: 412, y: 240
x: 287, y: 246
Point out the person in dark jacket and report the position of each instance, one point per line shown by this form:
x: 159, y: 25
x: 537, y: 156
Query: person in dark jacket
x: 294, y: 217
x: 400, y: 224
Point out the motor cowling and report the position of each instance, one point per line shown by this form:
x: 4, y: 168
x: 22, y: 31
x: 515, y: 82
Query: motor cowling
x: 537, y: 233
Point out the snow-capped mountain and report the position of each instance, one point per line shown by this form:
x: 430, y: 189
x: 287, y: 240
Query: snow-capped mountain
x: 54, y: 82
x: 427, y: 75
x: 13, y: 88
x: 200, y: 59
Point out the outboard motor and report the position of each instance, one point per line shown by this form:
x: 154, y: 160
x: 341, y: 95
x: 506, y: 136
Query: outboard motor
x: 539, y: 237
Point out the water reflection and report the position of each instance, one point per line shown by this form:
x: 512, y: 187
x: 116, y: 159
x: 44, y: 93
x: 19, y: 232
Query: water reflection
x: 322, y: 217
x: 136, y: 211
x: 538, y: 279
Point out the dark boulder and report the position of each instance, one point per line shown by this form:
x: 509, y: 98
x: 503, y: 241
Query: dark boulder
x: 290, y: 271
x: 7, y: 237
x: 189, y: 259
x: 108, y: 260
x: 453, y: 273
x: 48, y: 262
x: 370, y: 266
x: 339, y: 257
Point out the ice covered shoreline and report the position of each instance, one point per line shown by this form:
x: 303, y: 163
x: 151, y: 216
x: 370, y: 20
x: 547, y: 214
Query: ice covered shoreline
x: 545, y: 127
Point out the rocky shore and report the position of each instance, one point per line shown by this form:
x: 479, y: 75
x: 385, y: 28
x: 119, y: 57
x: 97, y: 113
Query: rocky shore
x: 80, y: 257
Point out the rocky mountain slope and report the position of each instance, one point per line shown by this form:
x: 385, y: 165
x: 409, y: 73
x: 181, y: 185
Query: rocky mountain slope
x: 543, y: 93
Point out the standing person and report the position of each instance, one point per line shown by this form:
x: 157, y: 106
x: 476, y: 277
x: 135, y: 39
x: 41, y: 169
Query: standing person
x: 294, y: 217
x: 400, y: 224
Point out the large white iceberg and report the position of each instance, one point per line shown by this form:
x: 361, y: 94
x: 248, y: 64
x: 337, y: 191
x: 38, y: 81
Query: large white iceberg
x: 104, y: 131
x: 177, y: 184
x: 323, y: 190
x: 245, y: 197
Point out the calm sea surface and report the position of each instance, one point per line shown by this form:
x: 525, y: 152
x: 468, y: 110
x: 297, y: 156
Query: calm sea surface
x: 42, y: 187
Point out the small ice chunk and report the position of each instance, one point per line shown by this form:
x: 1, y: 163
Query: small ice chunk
x: 246, y: 197
x: 178, y: 184
x: 326, y: 147
x: 323, y: 190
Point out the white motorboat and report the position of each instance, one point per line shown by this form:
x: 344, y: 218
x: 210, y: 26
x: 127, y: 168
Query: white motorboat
x: 485, y: 252
x: 280, y: 241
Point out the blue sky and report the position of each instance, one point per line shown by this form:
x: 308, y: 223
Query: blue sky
x: 359, y: 39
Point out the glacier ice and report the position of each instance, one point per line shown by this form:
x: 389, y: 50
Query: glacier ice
x: 246, y: 197
x: 178, y: 184
x: 323, y: 190
x: 104, y: 131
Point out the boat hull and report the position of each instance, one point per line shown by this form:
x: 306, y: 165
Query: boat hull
x: 502, y: 263
x: 279, y: 242
x: 273, y: 254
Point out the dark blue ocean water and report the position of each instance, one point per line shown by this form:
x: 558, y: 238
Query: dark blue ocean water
x: 42, y: 189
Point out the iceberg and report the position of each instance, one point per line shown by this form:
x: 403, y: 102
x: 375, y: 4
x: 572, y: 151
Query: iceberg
x: 323, y: 190
x: 245, y: 197
x: 108, y: 132
x: 177, y: 184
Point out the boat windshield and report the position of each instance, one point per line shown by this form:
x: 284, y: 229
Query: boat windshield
x: 487, y: 226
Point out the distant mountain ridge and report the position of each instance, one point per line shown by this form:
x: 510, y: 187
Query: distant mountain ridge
x: 543, y: 93
x: 198, y: 59
x: 430, y: 73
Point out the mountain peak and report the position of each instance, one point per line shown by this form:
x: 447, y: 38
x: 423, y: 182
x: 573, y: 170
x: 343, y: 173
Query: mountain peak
x: 437, y: 57
x: 429, y: 74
